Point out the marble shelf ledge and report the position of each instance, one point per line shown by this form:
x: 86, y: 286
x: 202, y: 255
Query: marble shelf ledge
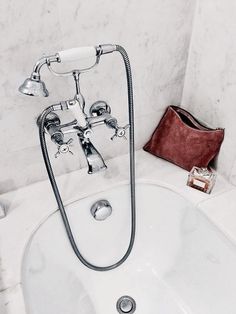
x: 29, y: 206
x: 221, y: 210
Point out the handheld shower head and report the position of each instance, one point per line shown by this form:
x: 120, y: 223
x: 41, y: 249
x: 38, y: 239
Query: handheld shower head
x: 34, y: 87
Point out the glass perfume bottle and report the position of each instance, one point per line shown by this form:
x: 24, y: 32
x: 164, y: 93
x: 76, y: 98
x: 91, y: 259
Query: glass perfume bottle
x: 202, y: 179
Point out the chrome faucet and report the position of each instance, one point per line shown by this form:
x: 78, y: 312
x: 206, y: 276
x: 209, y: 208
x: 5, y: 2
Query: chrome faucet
x: 99, y: 113
x: 83, y: 123
x: 94, y: 159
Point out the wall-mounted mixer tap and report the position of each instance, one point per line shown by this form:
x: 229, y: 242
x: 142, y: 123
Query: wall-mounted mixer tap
x: 99, y: 114
x: 83, y: 123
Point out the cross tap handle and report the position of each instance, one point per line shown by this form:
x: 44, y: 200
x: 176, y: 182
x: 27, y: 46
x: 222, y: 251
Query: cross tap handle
x: 120, y: 132
x: 64, y: 148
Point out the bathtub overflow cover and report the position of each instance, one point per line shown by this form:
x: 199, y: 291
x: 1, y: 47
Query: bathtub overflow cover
x: 126, y: 304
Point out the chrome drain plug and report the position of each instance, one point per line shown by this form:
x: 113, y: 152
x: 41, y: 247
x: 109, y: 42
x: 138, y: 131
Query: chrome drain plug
x: 126, y: 304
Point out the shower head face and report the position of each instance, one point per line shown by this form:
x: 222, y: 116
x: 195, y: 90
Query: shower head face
x: 34, y: 87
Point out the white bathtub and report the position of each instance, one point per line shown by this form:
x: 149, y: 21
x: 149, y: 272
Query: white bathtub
x: 180, y: 263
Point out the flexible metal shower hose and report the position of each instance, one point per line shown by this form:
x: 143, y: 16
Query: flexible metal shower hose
x: 51, y: 176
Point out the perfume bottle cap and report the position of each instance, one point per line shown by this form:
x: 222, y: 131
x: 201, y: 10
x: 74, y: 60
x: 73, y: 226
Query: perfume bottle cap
x: 202, y: 172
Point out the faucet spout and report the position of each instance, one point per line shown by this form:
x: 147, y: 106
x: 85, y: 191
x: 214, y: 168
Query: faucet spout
x: 93, y: 157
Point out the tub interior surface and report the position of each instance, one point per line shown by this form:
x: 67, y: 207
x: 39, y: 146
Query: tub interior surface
x: 180, y: 263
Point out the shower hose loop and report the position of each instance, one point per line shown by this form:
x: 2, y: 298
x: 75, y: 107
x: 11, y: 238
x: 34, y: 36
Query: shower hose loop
x: 52, y: 179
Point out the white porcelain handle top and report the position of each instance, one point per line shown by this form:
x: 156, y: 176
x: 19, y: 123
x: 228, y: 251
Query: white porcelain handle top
x: 77, y: 53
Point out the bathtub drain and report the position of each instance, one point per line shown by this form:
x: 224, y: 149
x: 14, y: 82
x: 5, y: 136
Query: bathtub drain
x: 126, y: 304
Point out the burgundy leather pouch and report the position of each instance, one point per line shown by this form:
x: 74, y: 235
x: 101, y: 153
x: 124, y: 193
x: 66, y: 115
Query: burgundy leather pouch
x: 183, y: 140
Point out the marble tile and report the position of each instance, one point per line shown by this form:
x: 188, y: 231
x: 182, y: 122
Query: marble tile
x: 156, y: 37
x: 11, y: 300
x: 209, y: 89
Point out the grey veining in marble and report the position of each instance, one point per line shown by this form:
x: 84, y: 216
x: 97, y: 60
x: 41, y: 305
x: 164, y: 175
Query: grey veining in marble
x: 156, y: 35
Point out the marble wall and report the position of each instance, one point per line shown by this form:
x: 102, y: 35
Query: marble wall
x: 156, y: 35
x: 210, y: 82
